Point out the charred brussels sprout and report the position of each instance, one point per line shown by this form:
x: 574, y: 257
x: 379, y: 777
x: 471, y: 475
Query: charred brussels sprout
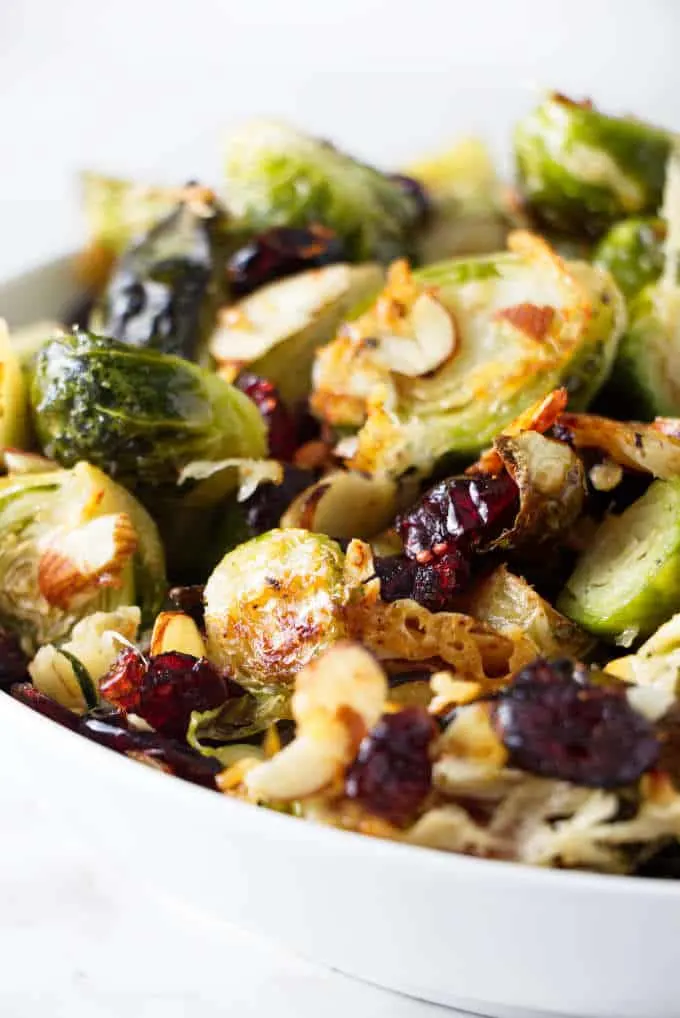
x: 633, y: 252
x: 165, y: 290
x: 276, y: 330
x: 580, y: 170
x: 73, y: 542
x: 138, y: 414
x: 448, y: 357
x: 278, y: 176
x: 273, y: 604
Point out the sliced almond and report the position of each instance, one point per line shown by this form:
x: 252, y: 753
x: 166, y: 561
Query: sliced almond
x: 90, y: 556
x: 433, y: 340
x: 175, y: 631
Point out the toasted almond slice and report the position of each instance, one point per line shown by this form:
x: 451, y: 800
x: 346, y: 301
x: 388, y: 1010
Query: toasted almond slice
x: 175, y: 631
x: 89, y: 556
x: 434, y: 339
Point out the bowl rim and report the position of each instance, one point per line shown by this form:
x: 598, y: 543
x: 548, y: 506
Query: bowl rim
x: 122, y: 768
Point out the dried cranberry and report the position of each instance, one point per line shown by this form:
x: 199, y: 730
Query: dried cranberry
x: 265, y: 507
x: 392, y: 774
x: 165, y: 690
x: 281, y: 426
x: 415, y: 190
x: 178, y: 759
x: 111, y: 731
x: 13, y: 661
x: 123, y: 682
x: 433, y: 585
x: 562, y: 669
x: 282, y: 251
x: 562, y: 728
x: 459, y: 513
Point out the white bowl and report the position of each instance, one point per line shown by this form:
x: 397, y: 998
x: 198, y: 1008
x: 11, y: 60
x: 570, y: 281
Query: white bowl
x: 495, y: 938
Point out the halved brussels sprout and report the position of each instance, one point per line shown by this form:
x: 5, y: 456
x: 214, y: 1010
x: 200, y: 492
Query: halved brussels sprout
x: 646, y: 375
x: 344, y: 504
x: 165, y: 290
x: 273, y: 604
x: 581, y: 170
x: 633, y: 252
x: 73, y: 542
x: 492, y: 336
x: 276, y: 330
x: 552, y: 488
x: 139, y: 414
x: 466, y: 214
x: 279, y: 176
x: 508, y: 603
x: 627, y: 582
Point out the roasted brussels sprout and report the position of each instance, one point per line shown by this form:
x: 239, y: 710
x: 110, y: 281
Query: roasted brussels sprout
x: 73, y: 542
x: 140, y: 415
x: 275, y: 331
x: 627, y: 582
x: 580, y: 170
x: 344, y: 504
x: 279, y: 176
x: 508, y: 603
x: 274, y: 603
x: 447, y: 358
x: 165, y: 290
x: 646, y: 375
x: 465, y: 214
x: 633, y: 252
x: 552, y: 489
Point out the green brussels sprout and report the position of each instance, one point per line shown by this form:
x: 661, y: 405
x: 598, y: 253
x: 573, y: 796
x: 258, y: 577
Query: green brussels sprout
x: 633, y: 252
x: 627, y: 582
x: 275, y: 331
x: 646, y: 377
x: 446, y: 359
x: 273, y: 604
x: 580, y: 170
x: 279, y: 176
x: 73, y: 543
x: 164, y: 292
x: 140, y: 415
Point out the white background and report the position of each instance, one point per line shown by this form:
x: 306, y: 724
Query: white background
x: 146, y: 87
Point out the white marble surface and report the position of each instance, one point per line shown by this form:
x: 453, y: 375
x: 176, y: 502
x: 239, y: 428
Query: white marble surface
x: 144, y: 87
x: 79, y: 940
